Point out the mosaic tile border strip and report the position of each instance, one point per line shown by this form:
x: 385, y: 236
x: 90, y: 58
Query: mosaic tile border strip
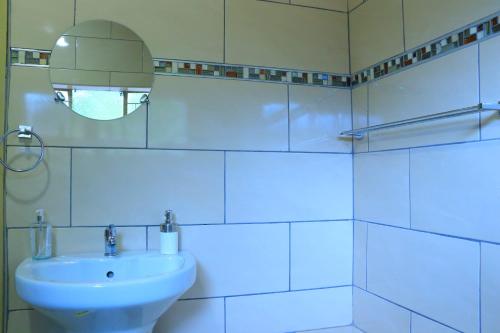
x: 41, y: 58
x: 29, y: 57
x: 262, y: 74
x: 449, y: 43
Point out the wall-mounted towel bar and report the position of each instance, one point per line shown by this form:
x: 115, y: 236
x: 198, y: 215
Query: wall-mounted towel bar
x: 359, y: 133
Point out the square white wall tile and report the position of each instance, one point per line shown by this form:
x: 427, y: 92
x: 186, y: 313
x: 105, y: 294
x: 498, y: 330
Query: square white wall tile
x: 79, y: 240
x: 47, y: 187
x: 433, y: 275
x: 376, y: 32
x: 321, y: 254
x: 373, y: 314
x: 65, y: 241
x: 135, y: 187
x: 421, y: 324
x: 179, y: 37
x: 339, y: 5
x: 490, y: 80
x: 201, y: 113
x: 423, y: 90
x: 30, y: 321
x: 382, y: 187
x: 426, y: 20
x: 193, y: 316
x: 490, y: 287
x: 37, y: 25
x: 287, y: 312
x: 359, y: 255
x: 317, y: 116
x: 31, y: 102
x: 268, y: 34
x: 235, y: 259
x: 271, y: 187
x: 360, y: 115
x: 454, y: 190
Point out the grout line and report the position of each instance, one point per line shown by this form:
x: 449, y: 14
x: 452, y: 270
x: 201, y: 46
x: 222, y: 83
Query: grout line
x: 409, y: 188
x: 289, y: 256
x: 357, y: 6
x: 192, y: 149
x: 268, y: 293
x: 224, y: 33
x: 304, y: 6
x: 479, y: 90
x: 190, y: 224
x: 411, y: 321
x: 366, y: 257
x: 147, y: 238
x: 71, y: 187
x: 225, y: 188
x: 225, y: 315
x: 475, y: 240
x: 404, y: 24
x: 480, y: 282
x: 409, y: 309
x: 288, y: 112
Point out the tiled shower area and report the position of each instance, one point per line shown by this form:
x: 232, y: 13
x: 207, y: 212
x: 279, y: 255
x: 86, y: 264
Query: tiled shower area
x: 294, y: 227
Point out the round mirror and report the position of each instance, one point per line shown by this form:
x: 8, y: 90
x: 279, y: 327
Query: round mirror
x: 101, y: 70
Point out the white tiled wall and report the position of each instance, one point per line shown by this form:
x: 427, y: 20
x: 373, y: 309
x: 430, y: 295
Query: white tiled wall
x: 255, y: 172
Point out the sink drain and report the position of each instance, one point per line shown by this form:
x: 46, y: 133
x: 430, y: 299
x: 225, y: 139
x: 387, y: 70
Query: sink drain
x: 110, y: 274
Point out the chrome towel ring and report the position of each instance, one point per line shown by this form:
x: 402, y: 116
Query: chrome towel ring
x: 23, y: 132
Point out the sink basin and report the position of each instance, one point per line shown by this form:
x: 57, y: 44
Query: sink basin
x: 94, y: 293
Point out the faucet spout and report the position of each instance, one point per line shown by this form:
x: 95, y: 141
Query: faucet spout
x: 110, y: 241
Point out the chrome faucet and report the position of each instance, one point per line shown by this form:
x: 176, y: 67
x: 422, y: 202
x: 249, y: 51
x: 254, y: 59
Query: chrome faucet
x: 110, y: 241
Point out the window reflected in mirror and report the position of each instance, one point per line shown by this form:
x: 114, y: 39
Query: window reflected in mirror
x: 101, y: 70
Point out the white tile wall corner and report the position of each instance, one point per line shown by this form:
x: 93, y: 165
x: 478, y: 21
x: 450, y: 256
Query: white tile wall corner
x: 37, y: 25
x: 360, y: 116
x: 382, y: 187
x: 490, y: 80
x: 339, y: 5
x: 454, y: 190
x: 31, y: 321
x: 272, y: 187
x: 419, y: 271
x: 376, y: 32
x: 359, y: 254
x: 373, y: 314
x: 135, y: 187
x: 421, y: 324
x: 317, y: 116
x: 48, y: 186
x: 321, y: 254
x: 197, y: 113
x: 235, y: 259
x: 490, y: 287
x: 256, y: 30
x: 193, y: 316
x: 287, y: 312
x: 427, y: 19
x: 179, y: 38
x: 65, y: 241
x: 427, y: 89
x: 31, y: 102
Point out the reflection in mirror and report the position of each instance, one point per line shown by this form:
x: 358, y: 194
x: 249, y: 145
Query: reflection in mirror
x: 101, y: 70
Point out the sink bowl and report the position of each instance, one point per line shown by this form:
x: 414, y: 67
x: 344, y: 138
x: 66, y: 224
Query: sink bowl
x: 92, y: 293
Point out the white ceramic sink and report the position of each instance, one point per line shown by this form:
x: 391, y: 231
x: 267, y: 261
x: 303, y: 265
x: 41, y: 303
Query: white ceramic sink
x: 98, y: 294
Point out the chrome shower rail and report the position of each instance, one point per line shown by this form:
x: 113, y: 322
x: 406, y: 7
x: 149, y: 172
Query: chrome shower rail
x: 359, y: 133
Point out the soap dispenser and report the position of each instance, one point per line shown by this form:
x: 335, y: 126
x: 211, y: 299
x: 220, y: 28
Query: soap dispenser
x: 169, y: 237
x: 41, y: 237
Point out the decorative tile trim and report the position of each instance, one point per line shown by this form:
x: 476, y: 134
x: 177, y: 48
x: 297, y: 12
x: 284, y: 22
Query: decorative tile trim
x: 29, y: 57
x: 240, y: 72
x: 444, y: 45
x: 41, y: 58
